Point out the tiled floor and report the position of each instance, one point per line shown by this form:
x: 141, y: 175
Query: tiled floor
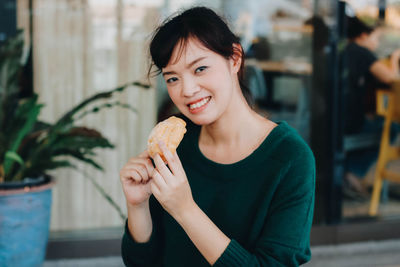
x: 91, y: 262
x: 359, y: 208
x: 379, y: 254
x: 368, y: 254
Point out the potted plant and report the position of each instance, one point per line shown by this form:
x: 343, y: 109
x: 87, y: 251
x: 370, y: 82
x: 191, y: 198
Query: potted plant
x: 29, y: 148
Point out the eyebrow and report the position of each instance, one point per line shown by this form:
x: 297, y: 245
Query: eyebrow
x: 187, y: 66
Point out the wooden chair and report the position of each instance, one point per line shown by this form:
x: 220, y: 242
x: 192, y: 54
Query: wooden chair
x: 388, y: 106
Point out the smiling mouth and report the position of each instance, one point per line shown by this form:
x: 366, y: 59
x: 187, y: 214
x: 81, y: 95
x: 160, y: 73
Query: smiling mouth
x: 200, y: 103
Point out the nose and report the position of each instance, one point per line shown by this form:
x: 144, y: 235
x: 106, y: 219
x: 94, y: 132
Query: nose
x: 190, y: 87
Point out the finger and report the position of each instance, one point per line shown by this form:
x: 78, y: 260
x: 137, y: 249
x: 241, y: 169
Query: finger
x: 147, y: 163
x: 148, y: 166
x: 132, y: 174
x: 171, y: 160
x: 159, y: 180
x: 177, y: 163
x: 141, y: 169
x: 162, y: 168
x: 144, y: 154
x: 135, y: 160
x: 154, y: 189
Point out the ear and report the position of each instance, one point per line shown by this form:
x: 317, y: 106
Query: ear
x: 236, y: 58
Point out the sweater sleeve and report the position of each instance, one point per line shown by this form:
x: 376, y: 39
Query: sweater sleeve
x: 144, y: 254
x: 285, y: 238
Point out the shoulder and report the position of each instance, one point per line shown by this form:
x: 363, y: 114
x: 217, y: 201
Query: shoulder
x: 356, y: 51
x: 297, y: 162
x: 290, y: 147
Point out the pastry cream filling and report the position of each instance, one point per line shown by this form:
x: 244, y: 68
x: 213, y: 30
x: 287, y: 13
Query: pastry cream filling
x: 201, y: 103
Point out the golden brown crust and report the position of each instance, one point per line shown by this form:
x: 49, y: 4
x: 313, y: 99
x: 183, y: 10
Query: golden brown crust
x: 170, y: 131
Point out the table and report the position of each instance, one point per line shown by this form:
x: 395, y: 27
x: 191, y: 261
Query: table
x: 292, y: 68
x: 272, y: 69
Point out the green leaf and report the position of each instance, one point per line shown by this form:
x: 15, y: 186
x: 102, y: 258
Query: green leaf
x: 10, y: 63
x: 107, y: 105
x: 54, y: 164
x: 89, y: 161
x: 67, y: 118
x: 11, y: 155
x: 29, y: 147
x: 80, y: 138
x: 34, y: 110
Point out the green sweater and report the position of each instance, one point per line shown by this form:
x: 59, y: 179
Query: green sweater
x: 263, y: 203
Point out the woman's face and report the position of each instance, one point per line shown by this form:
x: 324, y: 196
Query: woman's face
x: 200, y: 82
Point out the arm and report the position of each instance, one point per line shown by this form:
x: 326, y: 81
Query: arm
x: 383, y: 73
x: 387, y: 73
x: 171, y: 188
x: 139, y: 222
x: 205, y: 235
x: 285, y: 237
x: 394, y: 61
x: 143, y: 237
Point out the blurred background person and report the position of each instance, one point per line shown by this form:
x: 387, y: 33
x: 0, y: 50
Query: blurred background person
x: 364, y: 74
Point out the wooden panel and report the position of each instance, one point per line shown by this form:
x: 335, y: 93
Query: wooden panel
x: 77, y: 53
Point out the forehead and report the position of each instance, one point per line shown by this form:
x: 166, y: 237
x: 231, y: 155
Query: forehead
x: 187, y: 50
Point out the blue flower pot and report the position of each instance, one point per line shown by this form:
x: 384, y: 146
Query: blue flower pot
x: 24, y: 224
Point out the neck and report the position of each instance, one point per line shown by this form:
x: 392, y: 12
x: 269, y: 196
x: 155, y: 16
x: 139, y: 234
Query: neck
x: 361, y: 42
x: 233, y: 126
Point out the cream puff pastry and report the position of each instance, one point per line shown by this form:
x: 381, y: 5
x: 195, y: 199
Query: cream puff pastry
x: 170, y: 131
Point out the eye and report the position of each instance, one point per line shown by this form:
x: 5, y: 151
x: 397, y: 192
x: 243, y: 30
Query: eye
x: 200, y: 69
x: 171, y: 80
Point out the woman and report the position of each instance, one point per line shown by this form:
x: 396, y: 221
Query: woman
x: 240, y: 189
x: 365, y: 74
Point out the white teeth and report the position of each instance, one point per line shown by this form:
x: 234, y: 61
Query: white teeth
x: 200, y: 104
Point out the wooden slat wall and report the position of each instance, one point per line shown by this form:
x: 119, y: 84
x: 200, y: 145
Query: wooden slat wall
x: 78, y: 52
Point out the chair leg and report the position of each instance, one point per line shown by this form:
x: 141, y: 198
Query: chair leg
x: 382, y: 161
x: 373, y: 208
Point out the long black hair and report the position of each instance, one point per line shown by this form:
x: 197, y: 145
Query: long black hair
x: 202, y: 24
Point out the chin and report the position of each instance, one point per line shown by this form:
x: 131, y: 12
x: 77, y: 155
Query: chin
x: 201, y: 120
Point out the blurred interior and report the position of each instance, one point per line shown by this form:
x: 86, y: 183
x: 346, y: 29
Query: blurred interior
x: 293, y: 51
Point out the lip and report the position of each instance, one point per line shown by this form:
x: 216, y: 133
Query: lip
x: 197, y: 110
x: 196, y: 101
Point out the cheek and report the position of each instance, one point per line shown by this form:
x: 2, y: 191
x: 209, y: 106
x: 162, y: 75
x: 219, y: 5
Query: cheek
x: 217, y: 81
x: 174, y: 95
x: 374, y: 42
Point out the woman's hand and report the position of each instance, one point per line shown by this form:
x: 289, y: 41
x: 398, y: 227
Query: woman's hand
x: 135, y: 179
x: 170, y: 186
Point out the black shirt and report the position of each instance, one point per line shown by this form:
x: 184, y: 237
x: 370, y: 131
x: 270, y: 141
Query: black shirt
x: 359, y: 87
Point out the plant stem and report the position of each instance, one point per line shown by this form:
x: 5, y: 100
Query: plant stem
x: 104, y: 194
